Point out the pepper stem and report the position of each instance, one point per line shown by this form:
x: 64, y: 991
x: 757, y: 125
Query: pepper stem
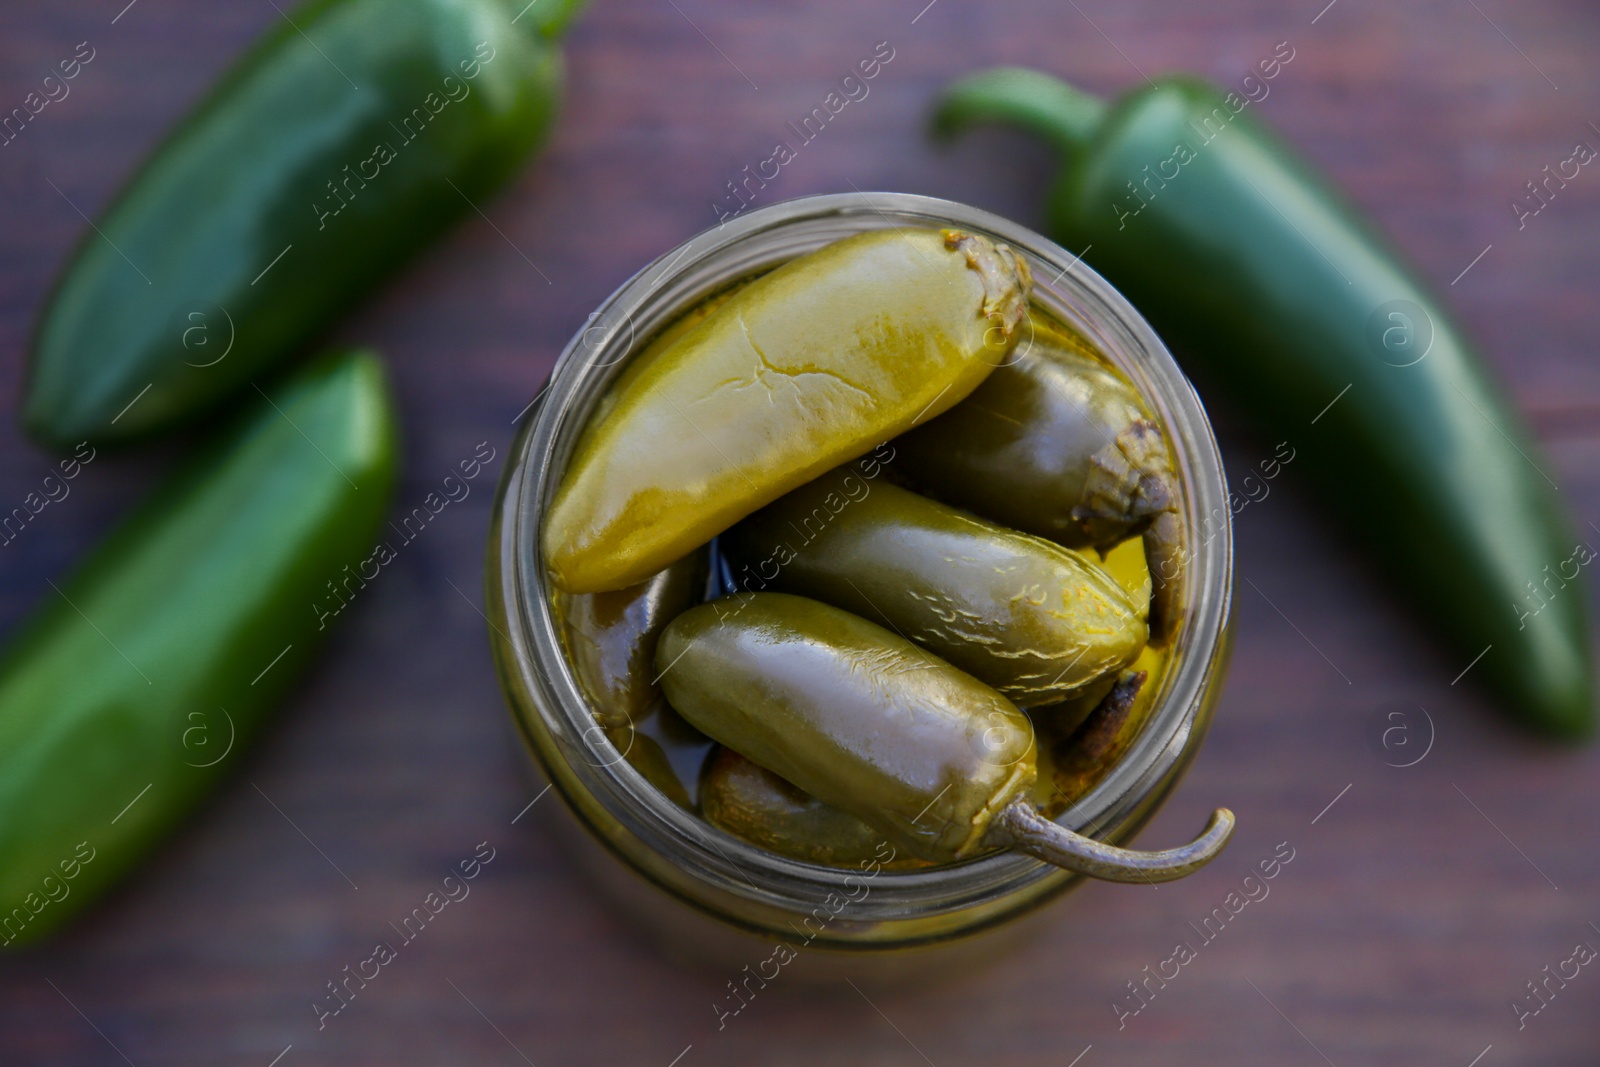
x: 546, y: 19
x: 1021, y: 827
x: 1016, y: 96
x: 1163, y: 548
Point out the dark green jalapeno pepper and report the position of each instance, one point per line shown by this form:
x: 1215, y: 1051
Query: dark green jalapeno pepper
x: 346, y: 140
x: 802, y: 369
x: 139, y: 683
x: 1057, y: 443
x: 863, y: 720
x: 751, y: 802
x: 1273, y: 288
x: 611, y: 637
x: 1036, y: 621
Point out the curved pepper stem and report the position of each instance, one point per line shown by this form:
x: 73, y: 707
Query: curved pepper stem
x: 1015, y: 96
x: 1021, y: 827
x: 546, y: 18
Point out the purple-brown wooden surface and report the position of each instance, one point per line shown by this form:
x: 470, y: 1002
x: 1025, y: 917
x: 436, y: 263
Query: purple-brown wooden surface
x: 1416, y: 907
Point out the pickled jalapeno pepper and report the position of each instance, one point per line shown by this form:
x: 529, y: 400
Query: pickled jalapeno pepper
x: 749, y: 801
x: 1032, y: 619
x: 667, y: 751
x: 1081, y: 757
x: 1057, y: 443
x: 611, y: 637
x: 865, y: 721
x: 647, y: 756
x: 832, y: 737
x: 801, y: 370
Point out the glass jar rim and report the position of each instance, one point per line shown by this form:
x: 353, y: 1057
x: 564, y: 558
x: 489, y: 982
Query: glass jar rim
x: 619, y: 328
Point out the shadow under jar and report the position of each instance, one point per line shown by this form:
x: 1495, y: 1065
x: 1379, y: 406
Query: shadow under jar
x: 714, y: 898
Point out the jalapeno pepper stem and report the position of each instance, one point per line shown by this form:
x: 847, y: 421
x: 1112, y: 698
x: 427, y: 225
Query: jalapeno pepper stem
x: 1020, y: 826
x: 1163, y: 549
x: 1016, y: 96
x: 550, y: 19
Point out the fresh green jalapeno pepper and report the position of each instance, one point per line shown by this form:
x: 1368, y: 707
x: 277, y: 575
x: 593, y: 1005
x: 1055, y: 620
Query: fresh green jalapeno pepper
x: 1036, y: 621
x: 1280, y: 294
x: 349, y: 138
x: 802, y: 369
x: 611, y: 637
x: 140, y: 682
x: 751, y: 802
x: 1057, y: 443
x: 862, y: 719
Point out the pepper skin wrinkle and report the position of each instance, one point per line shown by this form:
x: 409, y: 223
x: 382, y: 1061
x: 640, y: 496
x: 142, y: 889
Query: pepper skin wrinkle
x: 852, y: 714
x: 1036, y: 621
x: 806, y: 367
x: 1058, y: 444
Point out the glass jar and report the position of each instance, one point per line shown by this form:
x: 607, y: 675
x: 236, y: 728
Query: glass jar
x: 714, y: 897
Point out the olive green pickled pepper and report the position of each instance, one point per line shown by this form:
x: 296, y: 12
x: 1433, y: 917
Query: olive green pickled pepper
x: 749, y: 801
x: 805, y: 368
x: 1057, y: 443
x: 664, y: 339
x: 861, y: 719
x: 1036, y: 621
x: 1081, y: 758
x: 647, y: 756
x: 611, y: 637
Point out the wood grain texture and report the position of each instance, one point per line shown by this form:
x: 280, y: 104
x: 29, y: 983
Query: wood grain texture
x: 1416, y: 907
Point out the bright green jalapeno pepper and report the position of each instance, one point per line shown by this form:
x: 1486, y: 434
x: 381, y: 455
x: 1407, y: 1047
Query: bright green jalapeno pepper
x: 350, y: 137
x: 1274, y: 289
x: 138, y: 685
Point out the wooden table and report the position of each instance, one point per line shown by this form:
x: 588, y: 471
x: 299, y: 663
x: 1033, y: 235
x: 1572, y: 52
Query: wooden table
x: 1419, y: 901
